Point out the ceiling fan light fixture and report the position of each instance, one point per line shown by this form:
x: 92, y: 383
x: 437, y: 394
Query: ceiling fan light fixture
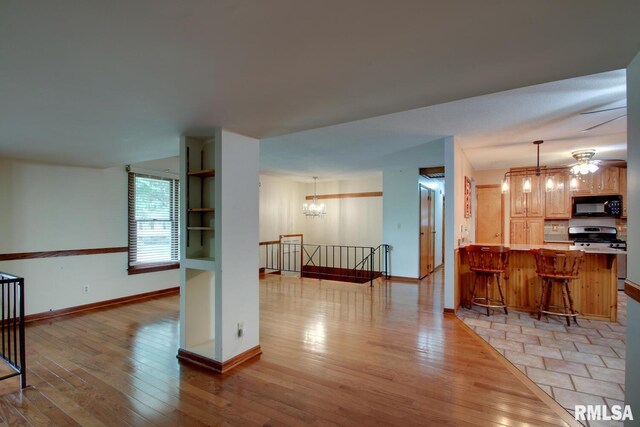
x: 585, y: 164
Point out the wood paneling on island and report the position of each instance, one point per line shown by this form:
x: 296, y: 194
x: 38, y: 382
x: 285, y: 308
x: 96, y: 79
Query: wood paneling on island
x: 594, y: 293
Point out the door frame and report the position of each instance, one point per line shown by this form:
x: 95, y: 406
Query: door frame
x: 432, y: 256
x: 501, y: 210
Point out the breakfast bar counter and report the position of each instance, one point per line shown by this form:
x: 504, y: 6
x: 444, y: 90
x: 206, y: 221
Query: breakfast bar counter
x: 594, y: 293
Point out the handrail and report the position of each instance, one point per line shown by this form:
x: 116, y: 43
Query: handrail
x: 344, y: 261
x: 12, y: 335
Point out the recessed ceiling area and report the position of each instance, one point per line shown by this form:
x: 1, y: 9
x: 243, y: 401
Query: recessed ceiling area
x: 495, y: 131
x: 110, y: 83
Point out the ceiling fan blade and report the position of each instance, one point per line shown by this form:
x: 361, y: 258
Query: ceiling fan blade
x: 604, y: 123
x: 603, y: 110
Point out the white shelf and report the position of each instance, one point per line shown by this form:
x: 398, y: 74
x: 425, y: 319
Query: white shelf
x: 206, y: 349
x: 200, y: 263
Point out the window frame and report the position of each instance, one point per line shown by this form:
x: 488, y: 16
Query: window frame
x: 149, y: 267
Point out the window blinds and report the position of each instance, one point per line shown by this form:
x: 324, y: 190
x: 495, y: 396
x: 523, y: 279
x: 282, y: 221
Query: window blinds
x: 153, y: 220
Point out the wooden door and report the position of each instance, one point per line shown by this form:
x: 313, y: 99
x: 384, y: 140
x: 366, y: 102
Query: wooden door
x: 518, y: 235
x: 489, y: 214
x: 431, y: 236
x: 425, y: 231
x: 623, y: 190
x: 558, y: 200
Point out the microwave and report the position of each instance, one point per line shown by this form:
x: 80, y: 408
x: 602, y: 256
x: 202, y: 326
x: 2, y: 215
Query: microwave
x: 589, y: 206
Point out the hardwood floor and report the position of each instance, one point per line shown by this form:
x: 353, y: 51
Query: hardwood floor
x: 333, y: 354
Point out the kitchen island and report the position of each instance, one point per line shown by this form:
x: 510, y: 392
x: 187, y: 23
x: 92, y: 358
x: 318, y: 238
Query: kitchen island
x: 595, y: 292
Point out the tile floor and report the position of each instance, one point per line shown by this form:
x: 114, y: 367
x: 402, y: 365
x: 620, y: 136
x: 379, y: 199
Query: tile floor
x: 581, y: 364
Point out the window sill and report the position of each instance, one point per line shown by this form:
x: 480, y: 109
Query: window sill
x: 151, y: 268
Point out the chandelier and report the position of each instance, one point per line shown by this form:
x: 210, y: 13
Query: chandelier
x: 584, y: 166
x: 314, y: 209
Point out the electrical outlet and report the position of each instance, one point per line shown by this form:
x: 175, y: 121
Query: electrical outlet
x: 85, y: 289
x: 240, y: 329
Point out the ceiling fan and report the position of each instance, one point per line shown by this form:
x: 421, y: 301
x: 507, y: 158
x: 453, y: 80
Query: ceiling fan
x: 605, y: 122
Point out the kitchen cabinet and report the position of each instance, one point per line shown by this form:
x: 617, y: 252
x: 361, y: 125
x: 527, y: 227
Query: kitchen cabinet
x: 526, y: 205
x: 623, y: 191
x: 604, y: 181
x: 527, y: 231
x: 558, y: 200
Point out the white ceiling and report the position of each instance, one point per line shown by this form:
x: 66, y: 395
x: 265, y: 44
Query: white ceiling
x: 115, y: 82
x: 495, y: 131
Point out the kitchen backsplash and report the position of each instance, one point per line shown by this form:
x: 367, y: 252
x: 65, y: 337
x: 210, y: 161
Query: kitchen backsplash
x: 556, y: 230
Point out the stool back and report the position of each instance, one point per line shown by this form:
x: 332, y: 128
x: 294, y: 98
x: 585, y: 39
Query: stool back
x: 488, y: 259
x: 558, y: 264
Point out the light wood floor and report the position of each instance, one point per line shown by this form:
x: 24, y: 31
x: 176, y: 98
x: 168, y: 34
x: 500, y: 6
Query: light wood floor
x: 334, y: 353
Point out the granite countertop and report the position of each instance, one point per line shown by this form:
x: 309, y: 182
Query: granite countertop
x: 586, y: 249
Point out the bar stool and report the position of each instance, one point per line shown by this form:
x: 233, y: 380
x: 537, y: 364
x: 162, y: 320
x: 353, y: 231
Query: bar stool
x: 488, y: 262
x: 558, y: 266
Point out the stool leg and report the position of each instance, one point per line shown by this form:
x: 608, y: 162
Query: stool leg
x: 487, y: 281
x: 473, y: 292
x: 575, y: 319
x: 542, y: 297
x: 565, y: 300
x: 501, y: 293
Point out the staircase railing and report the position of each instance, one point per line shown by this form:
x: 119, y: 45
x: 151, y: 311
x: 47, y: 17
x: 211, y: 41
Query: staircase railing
x: 12, y: 334
x: 334, y: 262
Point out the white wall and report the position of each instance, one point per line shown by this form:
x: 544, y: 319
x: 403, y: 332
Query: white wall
x: 237, y: 292
x: 401, y: 224
x: 459, y: 230
x: 632, y: 381
x: 281, y: 202
x: 49, y: 207
x: 349, y: 221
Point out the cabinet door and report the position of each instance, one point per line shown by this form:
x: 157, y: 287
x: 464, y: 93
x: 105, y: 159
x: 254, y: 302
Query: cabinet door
x: 623, y: 190
x: 518, y: 231
x: 585, y: 185
x: 535, y: 199
x: 558, y: 200
x: 608, y: 180
x: 518, y: 198
x: 535, y: 231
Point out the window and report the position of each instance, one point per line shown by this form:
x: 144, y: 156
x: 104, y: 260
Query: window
x: 153, y: 223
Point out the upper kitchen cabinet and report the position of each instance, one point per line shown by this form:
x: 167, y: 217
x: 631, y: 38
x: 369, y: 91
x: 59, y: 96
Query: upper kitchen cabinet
x: 605, y: 180
x: 608, y: 180
x: 623, y: 191
x: 527, y: 204
x: 558, y: 200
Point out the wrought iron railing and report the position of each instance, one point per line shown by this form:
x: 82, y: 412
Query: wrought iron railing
x: 334, y: 262
x: 12, y: 334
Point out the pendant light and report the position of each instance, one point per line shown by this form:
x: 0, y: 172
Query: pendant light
x: 314, y: 209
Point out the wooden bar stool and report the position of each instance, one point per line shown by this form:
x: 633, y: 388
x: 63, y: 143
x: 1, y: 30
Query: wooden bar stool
x: 488, y: 262
x: 558, y: 266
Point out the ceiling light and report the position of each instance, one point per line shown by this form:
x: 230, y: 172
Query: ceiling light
x: 314, y: 209
x: 585, y: 165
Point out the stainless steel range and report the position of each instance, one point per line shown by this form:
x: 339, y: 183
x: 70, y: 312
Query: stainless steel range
x: 602, y: 237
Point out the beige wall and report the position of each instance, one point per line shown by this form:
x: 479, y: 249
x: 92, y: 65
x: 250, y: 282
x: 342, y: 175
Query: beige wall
x: 50, y: 207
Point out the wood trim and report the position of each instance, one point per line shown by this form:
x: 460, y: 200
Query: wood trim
x: 449, y: 311
x: 214, y: 365
x: 269, y: 242
x: 632, y: 290
x: 403, y: 279
x: 96, y: 305
x: 68, y: 252
x: 525, y: 380
x: 139, y: 269
x: 346, y: 195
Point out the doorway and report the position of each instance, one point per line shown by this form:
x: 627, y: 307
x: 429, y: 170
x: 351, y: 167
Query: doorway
x: 427, y: 230
x: 489, y: 214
